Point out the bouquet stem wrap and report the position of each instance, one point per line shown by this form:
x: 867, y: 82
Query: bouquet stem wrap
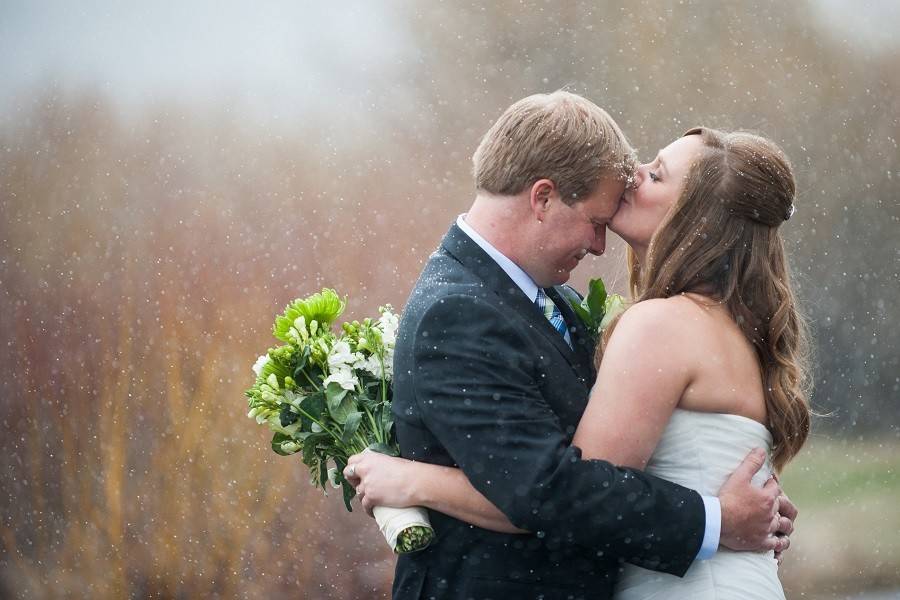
x: 405, y: 529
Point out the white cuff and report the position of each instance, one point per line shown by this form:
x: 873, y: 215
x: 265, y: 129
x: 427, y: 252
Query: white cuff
x: 713, y: 528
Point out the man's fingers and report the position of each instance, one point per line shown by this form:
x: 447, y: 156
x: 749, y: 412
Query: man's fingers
x: 787, y: 508
x: 773, y: 524
x: 785, y: 526
x: 751, y: 464
x: 771, y: 543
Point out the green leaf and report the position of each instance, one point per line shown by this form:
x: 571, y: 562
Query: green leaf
x: 302, y: 361
x: 323, y: 471
x: 387, y: 419
x: 340, y: 403
x: 314, y: 406
x: 350, y: 427
x: 596, y: 299
x: 317, y: 468
x: 334, y: 393
x: 287, y: 416
x: 311, y: 446
x: 384, y: 449
x: 582, y: 313
x: 340, y: 464
x: 349, y: 494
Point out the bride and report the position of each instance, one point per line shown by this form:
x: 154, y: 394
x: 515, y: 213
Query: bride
x: 709, y: 362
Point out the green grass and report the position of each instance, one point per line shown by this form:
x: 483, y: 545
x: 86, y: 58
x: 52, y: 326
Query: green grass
x: 833, y: 471
x: 847, y: 536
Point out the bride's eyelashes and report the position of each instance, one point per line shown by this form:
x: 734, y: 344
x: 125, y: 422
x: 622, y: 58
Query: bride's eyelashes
x: 653, y: 176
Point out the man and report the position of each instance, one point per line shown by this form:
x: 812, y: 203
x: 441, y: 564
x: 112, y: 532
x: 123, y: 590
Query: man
x: 487, y: 380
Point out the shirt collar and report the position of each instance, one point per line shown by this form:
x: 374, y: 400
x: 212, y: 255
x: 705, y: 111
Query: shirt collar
x: 515, y: 272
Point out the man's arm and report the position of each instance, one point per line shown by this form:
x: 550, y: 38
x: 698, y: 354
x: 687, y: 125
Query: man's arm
x: 476, y: 391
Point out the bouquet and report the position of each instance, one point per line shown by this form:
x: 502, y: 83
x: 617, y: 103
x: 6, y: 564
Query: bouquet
x: 327, y: 396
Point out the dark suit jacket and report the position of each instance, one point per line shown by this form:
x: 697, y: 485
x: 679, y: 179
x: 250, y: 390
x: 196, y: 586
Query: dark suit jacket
x: 483, y: 382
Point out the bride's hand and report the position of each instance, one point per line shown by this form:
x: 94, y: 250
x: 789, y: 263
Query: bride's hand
x: 382, y: 480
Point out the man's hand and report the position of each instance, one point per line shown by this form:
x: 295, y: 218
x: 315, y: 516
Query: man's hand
x: 755, y: 519
x: 788, y: 513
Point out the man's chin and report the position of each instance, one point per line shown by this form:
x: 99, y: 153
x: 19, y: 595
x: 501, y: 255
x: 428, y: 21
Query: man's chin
x: 560, y: 277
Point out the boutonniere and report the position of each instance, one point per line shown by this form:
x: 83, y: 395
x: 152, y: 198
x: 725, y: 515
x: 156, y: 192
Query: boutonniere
x: 598, y: 309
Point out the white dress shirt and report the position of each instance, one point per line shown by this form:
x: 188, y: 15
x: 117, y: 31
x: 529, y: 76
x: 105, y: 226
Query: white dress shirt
x: 713, y: 508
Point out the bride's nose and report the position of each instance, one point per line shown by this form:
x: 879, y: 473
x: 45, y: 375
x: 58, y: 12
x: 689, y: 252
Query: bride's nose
x: 640, y: 175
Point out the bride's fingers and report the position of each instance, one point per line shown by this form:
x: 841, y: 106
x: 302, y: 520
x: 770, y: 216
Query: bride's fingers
x: 368, y: 506
x: 350, y: 473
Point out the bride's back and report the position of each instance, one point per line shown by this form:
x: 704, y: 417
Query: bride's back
x: 727, y: 376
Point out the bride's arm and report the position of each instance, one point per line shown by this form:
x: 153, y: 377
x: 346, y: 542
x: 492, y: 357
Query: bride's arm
x: 382, y: 480
x: 644, y: 372
x: 640, y: 382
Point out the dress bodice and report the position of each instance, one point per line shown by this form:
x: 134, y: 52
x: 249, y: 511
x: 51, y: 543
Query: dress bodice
x: 700, y: 451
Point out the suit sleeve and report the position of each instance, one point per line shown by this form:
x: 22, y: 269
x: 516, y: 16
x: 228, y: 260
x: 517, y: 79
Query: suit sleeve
x: 476, y: 392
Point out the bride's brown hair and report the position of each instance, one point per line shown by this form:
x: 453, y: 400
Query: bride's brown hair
x: 721, y: 238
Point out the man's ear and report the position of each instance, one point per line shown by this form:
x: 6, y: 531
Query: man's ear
x: 543, y: 194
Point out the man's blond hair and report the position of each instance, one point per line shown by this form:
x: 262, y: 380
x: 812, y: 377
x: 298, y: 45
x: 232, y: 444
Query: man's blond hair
x: 559, y: 136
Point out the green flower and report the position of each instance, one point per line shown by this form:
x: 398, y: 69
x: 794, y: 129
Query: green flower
x: 312, y: 314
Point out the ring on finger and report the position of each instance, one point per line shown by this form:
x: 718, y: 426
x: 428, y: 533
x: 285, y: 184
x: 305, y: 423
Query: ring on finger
x: 351, y: 471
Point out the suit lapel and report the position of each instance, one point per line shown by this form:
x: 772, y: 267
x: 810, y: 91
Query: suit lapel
x: 470, y: 254
x: 582, y: 342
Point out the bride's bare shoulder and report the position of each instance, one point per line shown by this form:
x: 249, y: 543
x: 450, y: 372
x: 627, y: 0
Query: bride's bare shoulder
x: 659, y: 318
x: 677, y: 308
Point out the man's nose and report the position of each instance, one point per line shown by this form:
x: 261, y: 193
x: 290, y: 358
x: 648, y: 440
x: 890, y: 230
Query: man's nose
x: 599, y: 245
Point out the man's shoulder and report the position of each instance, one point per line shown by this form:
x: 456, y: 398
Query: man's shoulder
x: 442, y: 277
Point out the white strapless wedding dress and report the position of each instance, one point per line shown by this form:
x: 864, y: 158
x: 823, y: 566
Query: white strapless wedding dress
x: 700, y: 450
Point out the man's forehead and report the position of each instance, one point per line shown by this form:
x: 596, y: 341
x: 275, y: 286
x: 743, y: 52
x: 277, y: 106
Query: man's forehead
x: 605, y: 200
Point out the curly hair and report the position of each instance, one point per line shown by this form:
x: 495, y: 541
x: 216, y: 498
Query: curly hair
x: 721, y: 238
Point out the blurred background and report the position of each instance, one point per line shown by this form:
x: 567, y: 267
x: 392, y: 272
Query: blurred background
x: 172, y: 174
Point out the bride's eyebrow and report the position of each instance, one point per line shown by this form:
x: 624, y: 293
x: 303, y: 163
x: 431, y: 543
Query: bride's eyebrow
x: 662, y: 164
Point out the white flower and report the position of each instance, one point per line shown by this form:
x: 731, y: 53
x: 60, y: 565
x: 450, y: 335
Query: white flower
x: 344, y: 377
x: 389, y: 363
x: 260, y: 363
x: 372, y: 365
x: 389, y: 323
x: 340, y: 357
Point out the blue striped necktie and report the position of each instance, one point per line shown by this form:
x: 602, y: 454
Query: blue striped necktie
x: 549, y: 310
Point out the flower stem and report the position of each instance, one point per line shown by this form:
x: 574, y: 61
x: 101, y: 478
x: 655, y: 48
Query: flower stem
x: 309, y: 379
